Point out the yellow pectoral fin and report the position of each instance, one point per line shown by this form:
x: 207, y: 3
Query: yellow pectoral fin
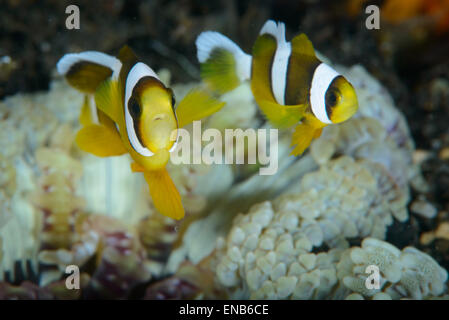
x: 100, y: 141
x: 166, y: 197
x: 197, y: 104
x: 282, y: 116
x: 108, y: 99
x: 302, y: 137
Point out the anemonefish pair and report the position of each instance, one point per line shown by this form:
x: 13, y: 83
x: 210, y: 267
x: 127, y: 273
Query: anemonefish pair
x: 128, y: 109
x: 290, y: 84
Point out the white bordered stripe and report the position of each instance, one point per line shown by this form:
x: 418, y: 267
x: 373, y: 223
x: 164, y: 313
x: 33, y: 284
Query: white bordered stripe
x: 279, y: 72
x: 209, y: 40
x: 280, y: 61
x: 322, y: 78
x: 137, y: 72
x: 70, y: 59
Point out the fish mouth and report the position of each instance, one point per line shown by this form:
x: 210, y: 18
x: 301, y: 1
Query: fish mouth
x: 160, y: 116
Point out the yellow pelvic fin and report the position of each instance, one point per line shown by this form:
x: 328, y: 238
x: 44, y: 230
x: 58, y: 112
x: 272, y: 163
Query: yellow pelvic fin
x: 301, y: 45
x: 166, y: 197
x: 135, y: 167
x: 86, y: 113
x: 197, y: 104
x: 86, y: 76
x: 108, y: 99
x: 282, y: 116
x: 303, y: 136
x: 220, y: 71
x: 100, y: 141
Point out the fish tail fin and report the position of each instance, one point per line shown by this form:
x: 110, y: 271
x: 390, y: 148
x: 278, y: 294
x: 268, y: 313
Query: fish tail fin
x: 166, y: 197
x: 223, y: 64
x: 86, y: 70
x: 302, y: 137
x: 196, y: 105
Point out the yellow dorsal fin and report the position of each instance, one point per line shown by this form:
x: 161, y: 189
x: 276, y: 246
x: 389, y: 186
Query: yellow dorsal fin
x: 166, y: 197
x: 301, y: 45
x: 126, y: 54
x: 196, y: 105
x: 108, y: 99
x: 100, y: 141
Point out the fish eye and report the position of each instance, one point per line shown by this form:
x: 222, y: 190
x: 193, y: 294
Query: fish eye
x: 332, y: 97
x: 134, y: 108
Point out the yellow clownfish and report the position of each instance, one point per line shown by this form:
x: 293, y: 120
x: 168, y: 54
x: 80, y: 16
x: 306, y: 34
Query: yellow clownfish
x: 289, y: 83
x: 128, y: 109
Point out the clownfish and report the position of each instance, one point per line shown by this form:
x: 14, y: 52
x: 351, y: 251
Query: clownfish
x: 128, y: 109
x: 289, y: 83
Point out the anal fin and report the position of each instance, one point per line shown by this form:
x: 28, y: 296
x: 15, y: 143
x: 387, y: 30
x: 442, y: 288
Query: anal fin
x: 166, y: 197
x: 302, y: 137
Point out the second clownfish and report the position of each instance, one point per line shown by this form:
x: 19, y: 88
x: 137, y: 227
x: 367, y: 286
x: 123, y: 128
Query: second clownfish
x: 129, y: 110
x: 290, y: 84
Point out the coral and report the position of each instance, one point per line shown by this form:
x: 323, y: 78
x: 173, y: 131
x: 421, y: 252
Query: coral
x: 29, y: 122
x: 409, y: 273
x: 121, y: 261
x: 442, y: 232
x: 157, y: 234
x: 55, y: 198
x: 30, y: 291
x: 189, y: 282
x: 268, y: 255
x: 344, y: 199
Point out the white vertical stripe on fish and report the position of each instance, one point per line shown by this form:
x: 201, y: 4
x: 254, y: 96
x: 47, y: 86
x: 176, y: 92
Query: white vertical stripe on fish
x: 279, y: 72
x: 322, y: 78
x: 137, y: 72
x: 281, y: 57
